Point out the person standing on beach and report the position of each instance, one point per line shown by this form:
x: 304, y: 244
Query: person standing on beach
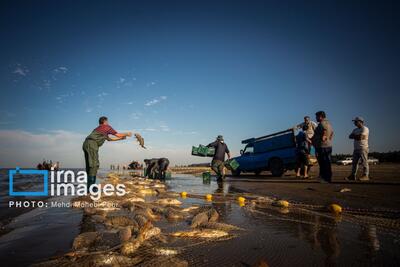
x: 91, y: 147
x: 217, y: 163
x: 302, y: 154
x: 360, y: 136
x: 308, y: 127
x: 322, y: 141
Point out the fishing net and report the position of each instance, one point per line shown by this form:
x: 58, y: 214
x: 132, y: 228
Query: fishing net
x: 262, y: 234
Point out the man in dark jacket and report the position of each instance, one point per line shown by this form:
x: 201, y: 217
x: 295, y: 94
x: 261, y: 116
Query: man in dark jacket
x: 217, y: 164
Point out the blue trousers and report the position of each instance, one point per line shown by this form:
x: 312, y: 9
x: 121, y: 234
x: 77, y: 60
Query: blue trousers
x: 324, y: 161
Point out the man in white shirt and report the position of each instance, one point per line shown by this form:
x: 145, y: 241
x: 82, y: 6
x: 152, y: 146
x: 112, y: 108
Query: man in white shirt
x: 308, y: 127
x: 360, y: 137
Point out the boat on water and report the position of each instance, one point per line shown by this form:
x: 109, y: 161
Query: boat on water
x: 48, y: 165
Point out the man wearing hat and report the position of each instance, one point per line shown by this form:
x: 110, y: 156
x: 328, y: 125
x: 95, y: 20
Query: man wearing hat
x: 360, y: 137
x: 217, y: 164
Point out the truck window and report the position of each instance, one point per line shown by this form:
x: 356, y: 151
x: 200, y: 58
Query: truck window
x: 249, y: 150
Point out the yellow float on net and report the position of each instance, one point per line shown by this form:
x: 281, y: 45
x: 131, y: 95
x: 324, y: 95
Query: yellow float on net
x: 284, y: 211
x: 241, y: 199
x: 208, y: 197
x: 281, y: 203
x: 183, y: 194
x: 335, y: 208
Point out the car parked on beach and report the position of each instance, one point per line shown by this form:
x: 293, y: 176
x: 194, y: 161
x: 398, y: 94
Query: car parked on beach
x: 274, y: 152
x: 349, y: 161
x: 373, y: 161
x: 344, y: 162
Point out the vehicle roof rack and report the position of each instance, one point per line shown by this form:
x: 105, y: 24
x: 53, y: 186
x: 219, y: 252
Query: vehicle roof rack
x: 252, y: 140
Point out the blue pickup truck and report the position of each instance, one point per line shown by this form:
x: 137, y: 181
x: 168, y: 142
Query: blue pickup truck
x: 275, y: 153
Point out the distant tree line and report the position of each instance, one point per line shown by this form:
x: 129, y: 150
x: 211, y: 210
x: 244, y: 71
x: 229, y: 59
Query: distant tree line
x: 391, y: 156
x: 200, y: 165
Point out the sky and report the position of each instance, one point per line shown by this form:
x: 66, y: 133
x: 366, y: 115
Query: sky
x: 182, y: 72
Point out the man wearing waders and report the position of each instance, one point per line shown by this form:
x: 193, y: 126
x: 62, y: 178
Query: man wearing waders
x: 93, y: 142
x: 217, y: 164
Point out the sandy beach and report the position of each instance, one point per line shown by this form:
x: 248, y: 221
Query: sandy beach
x: 174, y: 134
x: 270, y: 232
x: 382, y: 192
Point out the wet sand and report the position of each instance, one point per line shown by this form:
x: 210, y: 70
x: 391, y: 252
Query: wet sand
x: 38, y: 234
x: 382, y: 192
x: 274, y: 236
x: 30, y: 234
x: 7, y: 213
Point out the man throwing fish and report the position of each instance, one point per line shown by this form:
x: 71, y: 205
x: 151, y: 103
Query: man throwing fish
x: 92, y: 143
x: 217, y: 164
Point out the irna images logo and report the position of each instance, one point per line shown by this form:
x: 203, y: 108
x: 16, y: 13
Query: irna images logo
x: 13, y: 173
x: 63, y: 183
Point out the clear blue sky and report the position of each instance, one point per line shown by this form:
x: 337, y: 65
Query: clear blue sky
x: 182, y: 72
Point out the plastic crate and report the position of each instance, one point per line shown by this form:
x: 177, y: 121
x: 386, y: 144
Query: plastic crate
x: 203, y: 151
x: 232, y: 164
x: 211, y: 152
x: 206, y: 177
x: 195, y: 151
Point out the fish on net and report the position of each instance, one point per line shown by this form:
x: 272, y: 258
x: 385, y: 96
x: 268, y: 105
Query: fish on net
x: 157, y: 247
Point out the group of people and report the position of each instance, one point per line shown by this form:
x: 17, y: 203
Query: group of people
x: 156, y: 168
x: 320, y: 136
x: 48, y: 165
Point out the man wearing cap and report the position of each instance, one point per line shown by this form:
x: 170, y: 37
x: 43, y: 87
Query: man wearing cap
x: 360, y: 136
x: 217, y: 164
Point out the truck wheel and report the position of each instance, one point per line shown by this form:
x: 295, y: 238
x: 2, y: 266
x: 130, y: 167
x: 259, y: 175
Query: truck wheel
x: 276, y: 167
x: 257, y: 173
x: 236, y: 172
